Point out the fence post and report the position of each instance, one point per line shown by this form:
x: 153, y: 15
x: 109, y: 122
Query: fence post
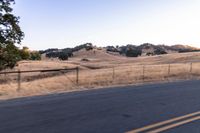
x: 113, y: 74
x: 190, y: 67
x: 169, y: 69
x: 143, y: 71
x: 19, y: 80
x: 77, y: 75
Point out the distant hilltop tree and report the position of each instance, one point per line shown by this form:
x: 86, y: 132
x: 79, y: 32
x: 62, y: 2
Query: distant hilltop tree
x: 67, y: 52
x: 133, y: 52
x: 159, y: 52
x: 87, y: 46
x: 112, y: 49
x: 49, y: 50
x: 10, y: 33
x: 59, y: 55
x: 63, y: 56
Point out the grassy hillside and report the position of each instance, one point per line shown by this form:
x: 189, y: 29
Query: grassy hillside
x: 101, y: 68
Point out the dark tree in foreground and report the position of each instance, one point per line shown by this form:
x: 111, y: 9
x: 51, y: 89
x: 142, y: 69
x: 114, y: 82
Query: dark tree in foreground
x: 10, y: 33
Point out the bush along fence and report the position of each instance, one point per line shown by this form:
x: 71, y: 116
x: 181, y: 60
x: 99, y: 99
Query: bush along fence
x: 102, y: 77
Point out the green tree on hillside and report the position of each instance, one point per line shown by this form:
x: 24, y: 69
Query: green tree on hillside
x: 24, y: 53
x: 63, y: 56
x: 133, y: 52
x: 10, y: 33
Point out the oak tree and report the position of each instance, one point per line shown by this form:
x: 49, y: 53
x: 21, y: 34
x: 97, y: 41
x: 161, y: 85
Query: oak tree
x: 10, y: 34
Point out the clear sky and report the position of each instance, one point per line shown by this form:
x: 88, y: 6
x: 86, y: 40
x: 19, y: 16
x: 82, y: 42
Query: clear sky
x: 66, y: 23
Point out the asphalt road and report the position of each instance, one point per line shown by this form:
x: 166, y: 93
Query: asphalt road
x: 109, y: 110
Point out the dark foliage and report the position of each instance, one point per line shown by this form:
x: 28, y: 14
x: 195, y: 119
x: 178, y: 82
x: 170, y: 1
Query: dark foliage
x: 63, y: 56
x: 10, y: 33
x: 159, y: 52
x: 68, y: 51
x: 24, y: 53
x: 35, y: 56
x: 83, y: 46
x: 59, y: 55
x: 48, y: 50
x: 112, y: 49
x: 187, y: 50
x: 9, y: 56
x: 133, y: 52
x: 85, y: 59
x: 55, y: 53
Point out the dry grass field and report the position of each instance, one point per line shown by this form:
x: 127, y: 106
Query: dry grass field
x: 99, y: 70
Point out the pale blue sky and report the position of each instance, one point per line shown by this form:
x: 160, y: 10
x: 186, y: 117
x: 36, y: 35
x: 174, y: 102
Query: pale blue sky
x: 66, y: 23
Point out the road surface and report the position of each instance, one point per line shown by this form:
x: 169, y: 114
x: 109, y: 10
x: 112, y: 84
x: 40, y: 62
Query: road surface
x: 165, y: 107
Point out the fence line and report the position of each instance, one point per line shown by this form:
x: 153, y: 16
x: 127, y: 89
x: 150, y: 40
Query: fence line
x: 135, y: 73
x: 33, y: 71
x: 19, y: 72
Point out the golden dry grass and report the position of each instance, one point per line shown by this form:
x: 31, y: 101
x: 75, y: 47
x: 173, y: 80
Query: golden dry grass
x: 112, y: 71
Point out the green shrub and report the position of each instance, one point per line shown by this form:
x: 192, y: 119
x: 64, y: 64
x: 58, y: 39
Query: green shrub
x: 24, y: 53
x: 35, y: 56
x: 9, y: 56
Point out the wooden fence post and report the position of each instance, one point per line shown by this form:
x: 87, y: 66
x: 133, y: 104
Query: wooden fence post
x: 169, y: 69
x: 113, y: 74
x: 190, y: 67
x: 19, y: 80
x: 143, y: 72
x: 77, y: 75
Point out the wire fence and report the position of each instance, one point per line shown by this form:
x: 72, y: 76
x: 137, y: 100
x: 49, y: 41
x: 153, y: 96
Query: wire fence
x: 33, y: 75
x: 70, y: 78
x: 139, y: 74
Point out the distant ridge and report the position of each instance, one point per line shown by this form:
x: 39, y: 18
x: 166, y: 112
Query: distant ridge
x: 129, y: 50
